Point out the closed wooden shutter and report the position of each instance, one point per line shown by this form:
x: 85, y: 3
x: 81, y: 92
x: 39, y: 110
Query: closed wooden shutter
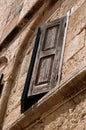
x: 46, y: 63
x: 46, y: 68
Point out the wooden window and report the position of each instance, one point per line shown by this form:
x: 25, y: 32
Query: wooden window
x: 46, y: 63
x: 46, y: 67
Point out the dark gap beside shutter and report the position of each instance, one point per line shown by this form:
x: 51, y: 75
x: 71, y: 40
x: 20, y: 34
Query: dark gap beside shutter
x: 1, y: 85
x: 25, y: 103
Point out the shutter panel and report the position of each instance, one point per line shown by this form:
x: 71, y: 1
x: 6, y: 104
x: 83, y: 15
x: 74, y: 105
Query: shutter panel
x: 46, y: 68
x: 46, y: 62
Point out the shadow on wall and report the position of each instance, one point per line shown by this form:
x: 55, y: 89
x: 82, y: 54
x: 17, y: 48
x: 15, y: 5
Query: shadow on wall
x: 3, y: 62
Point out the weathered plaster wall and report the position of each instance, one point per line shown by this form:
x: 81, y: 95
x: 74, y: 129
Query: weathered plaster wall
x: 12, y: 12
x: 18, y: 54
x: 13, y: 52
x: 70, y: 116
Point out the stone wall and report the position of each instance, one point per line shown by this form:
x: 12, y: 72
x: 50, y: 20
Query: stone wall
x: 70, y: 116
x: 18, y: 53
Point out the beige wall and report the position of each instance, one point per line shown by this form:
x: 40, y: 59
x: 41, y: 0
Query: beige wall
x: 70, y: 116
x: 18, y: 54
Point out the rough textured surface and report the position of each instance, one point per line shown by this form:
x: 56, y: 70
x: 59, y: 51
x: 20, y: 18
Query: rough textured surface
x: 52, y: 101
x: 70, y: 116
x: 14, y: 12
x: 18, y: 53
x: 75, y: 45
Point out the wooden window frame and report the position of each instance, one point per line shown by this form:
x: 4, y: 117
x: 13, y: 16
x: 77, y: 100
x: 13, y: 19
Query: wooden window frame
x: 26, y: 100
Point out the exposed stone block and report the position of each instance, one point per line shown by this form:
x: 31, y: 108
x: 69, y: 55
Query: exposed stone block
x: 77, y: 22
x: 75, y: 45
